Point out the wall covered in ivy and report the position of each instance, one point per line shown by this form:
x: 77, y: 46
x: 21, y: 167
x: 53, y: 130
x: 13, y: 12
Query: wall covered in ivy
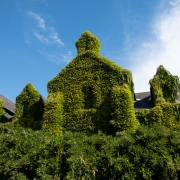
x: 53, y: 114
x: 86, y: 84
x: 123, y: 110
x: 29, y: 108
x: 164, y: 86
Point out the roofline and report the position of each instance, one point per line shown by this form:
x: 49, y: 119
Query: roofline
x: 6, y: 99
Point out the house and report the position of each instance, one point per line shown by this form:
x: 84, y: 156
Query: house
x: 89, y: 84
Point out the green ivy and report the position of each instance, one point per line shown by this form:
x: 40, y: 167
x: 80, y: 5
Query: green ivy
x: 123, y: 115
x: 53, y: 114
x: 88, y: 41
x: 29, y: 108
x: 86, y: 84
x: 1, y: 110
x: 165, y: 114
x: 164, y: 86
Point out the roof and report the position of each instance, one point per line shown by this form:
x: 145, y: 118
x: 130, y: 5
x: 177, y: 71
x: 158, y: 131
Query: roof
x: 9, y: 105
x: 43, y: 99
x: 143, y: 101
x: 142, y: 95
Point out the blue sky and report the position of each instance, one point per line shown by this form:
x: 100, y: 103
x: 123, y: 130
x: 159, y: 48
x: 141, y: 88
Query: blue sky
x: 37, y: 38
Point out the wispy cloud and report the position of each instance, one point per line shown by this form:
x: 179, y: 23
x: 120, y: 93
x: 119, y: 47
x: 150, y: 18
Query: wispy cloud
x: 49, y: 44
x: 48, y: 34
x: 41, y: 38
x: 40, y: 21
x: 57, y: 58
x: 161, y: 49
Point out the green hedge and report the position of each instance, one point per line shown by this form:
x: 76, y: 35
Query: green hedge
x: 166, y: 114
x: 86, y: 84
x: 164, y: 86
x: 88, y: 41
x: 53, y: 114
x: 148, y: 153
x: 123, y: 116
x: 1, y: 110
x: 29, y: 108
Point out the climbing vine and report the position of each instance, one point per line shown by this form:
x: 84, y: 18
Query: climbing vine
x: 164, y: 86
x: 86, y: 84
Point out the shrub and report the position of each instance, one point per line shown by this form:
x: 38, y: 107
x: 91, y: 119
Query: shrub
x: 164, y: 86
x: 1, y: 110
x: 148, y: 153
x: 165, y: 114
x: 53, y: 114
x: 87, y: 41
x: 29, y: 154
x: 123, y: 116
x: 29, y: 108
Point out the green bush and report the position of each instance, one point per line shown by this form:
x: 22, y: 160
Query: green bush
x: 86, y: 84
x: 88, y: 41
x: 148, y: 153
x: 53, y: 114
x: 165, y: 114
x: 29, y: 108
x: 164, y: 86
x: 1, y: 110
x: 123, y: 116
x: 29, y: 154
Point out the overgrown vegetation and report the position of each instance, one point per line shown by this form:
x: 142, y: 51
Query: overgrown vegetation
x: 123, y: 116
x: 29, y: 108
x: 53, y: 114
x: 148, y: 153
x: 88, y: 128
x: 165, y: 114
x: 86, y: 84
x: 1, y: 110
x: 164, y: 86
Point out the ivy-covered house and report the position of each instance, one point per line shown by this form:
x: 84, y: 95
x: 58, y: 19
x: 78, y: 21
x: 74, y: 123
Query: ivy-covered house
x: 97, y: 94
x: 165, y: 95
x: 93, y: 93
x: 29, y: 108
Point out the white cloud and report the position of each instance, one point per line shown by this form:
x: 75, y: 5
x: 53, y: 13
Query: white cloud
x: 48, y: 36
x: 41, y: 38
x: 162, y: 49
x: 57, y: 58
x: 40, y: 21
x: 53, y: 35
x: 50, y: 46
x: 67, y: 57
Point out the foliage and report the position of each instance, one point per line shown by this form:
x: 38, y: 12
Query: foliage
x: 28, y: 154
x: 86, y: 84
x: 164, y: 86
x: 53, y: 114
x: 29, y: 108
x: 88, y: 41
x: 166, y: 114
x: 148, y: 153
x: 123, y: 116
x: 1, y: 110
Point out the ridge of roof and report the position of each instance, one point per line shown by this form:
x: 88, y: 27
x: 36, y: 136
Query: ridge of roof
x: 9, y: 105
x: 6, y: 98
x: 148, y: 92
